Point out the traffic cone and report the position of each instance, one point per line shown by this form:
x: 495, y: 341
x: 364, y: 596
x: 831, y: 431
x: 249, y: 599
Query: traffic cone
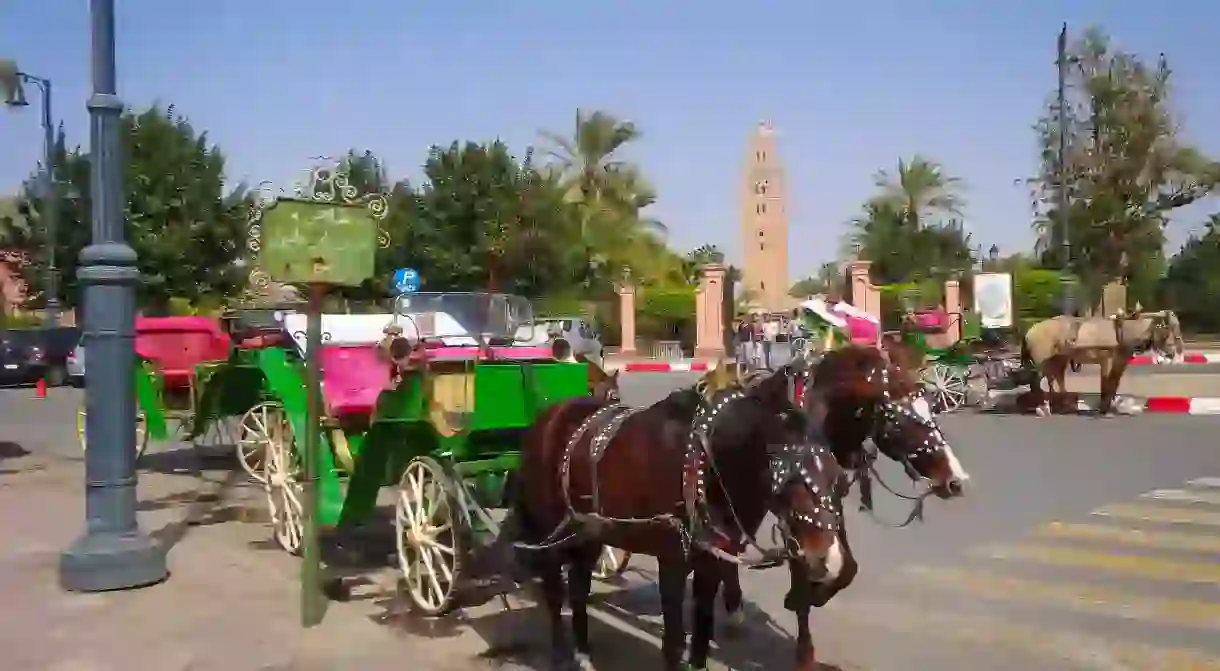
x: 40, y: 388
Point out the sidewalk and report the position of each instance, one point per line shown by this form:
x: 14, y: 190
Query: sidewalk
x: 231, y: 603
x: 1166, y: 384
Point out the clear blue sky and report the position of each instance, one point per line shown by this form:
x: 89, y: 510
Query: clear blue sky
x: 850, y: 87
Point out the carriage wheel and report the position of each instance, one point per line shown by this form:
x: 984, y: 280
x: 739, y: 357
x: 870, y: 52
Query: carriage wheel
x: 141, y: 432
x: 431, y: 534
x: 262, y: 424
x: 945, y: 386
x: 611, y: 564
x: 282, y: 471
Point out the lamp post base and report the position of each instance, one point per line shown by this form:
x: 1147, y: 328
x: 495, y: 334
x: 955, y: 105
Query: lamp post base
x: 103, y: 561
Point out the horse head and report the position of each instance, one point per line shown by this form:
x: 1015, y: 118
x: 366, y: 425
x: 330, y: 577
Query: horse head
x: 754, y: 436
x: 860, y: 392
x: 1158, y: 331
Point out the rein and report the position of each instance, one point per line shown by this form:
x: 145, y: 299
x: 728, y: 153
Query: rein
x: 867, y: 472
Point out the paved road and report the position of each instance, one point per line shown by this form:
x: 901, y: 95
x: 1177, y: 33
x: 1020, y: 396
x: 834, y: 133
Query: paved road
x: 1083, y: 544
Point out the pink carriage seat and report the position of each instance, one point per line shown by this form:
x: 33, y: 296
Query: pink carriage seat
x: 353, y: 376
x: 932, y: 321
x: 175, y: 345
x: 862, y: 331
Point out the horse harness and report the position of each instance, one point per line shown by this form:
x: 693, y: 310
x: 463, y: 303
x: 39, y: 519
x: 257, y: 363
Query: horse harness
x: 695, y: 526
x: 865, y: 470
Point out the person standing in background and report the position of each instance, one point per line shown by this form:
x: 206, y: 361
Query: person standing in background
x: 741, y: 342
x: 770, y: 332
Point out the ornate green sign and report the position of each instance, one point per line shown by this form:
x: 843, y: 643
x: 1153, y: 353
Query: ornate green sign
x: 322, y: 232
x: 312, y: 242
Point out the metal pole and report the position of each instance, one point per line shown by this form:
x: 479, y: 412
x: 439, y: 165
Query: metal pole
x: 50, y: 206
x: 112, y: 553
x: 313, y: 606
x: 1069, y: 306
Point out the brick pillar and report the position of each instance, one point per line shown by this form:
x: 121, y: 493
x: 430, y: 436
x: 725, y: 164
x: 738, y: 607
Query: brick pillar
x: 626, y: 313
x: 863, y: 294
x: 953, y: 307
x: 709, y: 312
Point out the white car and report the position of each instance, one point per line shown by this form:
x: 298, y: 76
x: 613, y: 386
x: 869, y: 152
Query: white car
x: 579, y: 334
x: 75, y: 365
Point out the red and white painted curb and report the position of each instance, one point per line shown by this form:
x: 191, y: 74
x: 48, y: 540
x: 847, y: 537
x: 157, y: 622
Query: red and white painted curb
x: 661, y: 367
x: 1183, y: 405
x: 1190, y: 357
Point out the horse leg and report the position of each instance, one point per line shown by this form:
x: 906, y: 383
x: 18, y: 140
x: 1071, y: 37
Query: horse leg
x: 703, y: 608
x: 580, y: 583
x: 672, y: 581
x: 730, y: 579
x: 551, y: 569
x: 806, y: 656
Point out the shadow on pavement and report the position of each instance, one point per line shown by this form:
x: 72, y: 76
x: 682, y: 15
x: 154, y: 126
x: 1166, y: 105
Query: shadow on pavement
x: 520, y: 637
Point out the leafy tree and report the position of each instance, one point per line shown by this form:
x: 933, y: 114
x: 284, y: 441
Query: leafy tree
x: 903, y: 231
x: 186, y: 228
x: 482, y: 219
x: 1126, y: 167
x: 1192, y: 284
x: 610, y: 194
x: 828, y: 279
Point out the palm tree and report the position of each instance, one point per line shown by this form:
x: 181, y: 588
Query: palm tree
x: 595, y: 177
x: 921, y: 189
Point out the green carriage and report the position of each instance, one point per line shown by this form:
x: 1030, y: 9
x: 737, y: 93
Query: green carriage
x: 950, y: 375
x: 446, y: 436
x: 189, y: 380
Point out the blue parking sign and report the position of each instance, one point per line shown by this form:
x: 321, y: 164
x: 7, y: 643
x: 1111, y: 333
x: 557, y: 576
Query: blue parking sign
x: 406, y: 280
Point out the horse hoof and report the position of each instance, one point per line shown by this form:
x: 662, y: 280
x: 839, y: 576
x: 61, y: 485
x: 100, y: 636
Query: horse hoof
x: 735, y: 622
x: 583, y: 662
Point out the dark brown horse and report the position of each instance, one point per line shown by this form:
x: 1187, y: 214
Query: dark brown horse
x: 686, y: 480
x: 857, y: 393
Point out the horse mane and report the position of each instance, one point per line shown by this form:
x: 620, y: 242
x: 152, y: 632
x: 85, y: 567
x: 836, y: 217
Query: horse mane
x: 845, y: 371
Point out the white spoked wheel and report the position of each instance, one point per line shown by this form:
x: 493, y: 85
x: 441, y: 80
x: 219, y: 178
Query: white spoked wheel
x: 141, y: 432
x: 945, y: 386
x: 430, y: 532
x: 260, y: 426
x: 282, y: 475
x: 611, y: 564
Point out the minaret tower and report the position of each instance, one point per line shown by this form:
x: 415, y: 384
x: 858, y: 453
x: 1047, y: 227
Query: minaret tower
x: 764, y: 224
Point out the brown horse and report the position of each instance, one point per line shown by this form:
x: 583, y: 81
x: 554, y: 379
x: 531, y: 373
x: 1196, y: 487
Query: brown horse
x: 857, y: 393
x: 1051, y: 345
x: 685, y: 480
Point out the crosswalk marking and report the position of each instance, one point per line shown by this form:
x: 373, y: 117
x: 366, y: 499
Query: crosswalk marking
x: 1183, y: 496
x: 1209, y: 483
x: 1081, y: 651
x: 1150, y: 568
x: 1073, y: 596
x: 1159, y: 540
x: 1161, y: 514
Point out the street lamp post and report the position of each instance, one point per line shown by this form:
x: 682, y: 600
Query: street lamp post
x: 1061, y: 62
x: 15, y: 97
x: 112, y: 553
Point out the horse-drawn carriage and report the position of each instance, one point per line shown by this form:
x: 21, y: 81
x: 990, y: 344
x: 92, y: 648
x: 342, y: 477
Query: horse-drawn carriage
x: 187, y: 373
x: 446, y: 435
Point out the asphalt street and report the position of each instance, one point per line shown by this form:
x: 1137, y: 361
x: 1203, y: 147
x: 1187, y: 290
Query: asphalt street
x: 1082, y: 544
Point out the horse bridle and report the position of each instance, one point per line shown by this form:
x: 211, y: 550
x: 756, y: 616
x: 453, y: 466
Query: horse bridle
x: 889, y: 410
x: 785, y: 463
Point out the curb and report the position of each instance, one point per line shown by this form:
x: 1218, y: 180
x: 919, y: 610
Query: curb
x: 1183, y: 405
x: 1189, y: 358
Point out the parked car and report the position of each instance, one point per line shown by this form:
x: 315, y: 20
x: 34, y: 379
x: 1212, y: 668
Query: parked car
x: 76, y: 366
x: 30, y: 354
x: 580, y: 335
